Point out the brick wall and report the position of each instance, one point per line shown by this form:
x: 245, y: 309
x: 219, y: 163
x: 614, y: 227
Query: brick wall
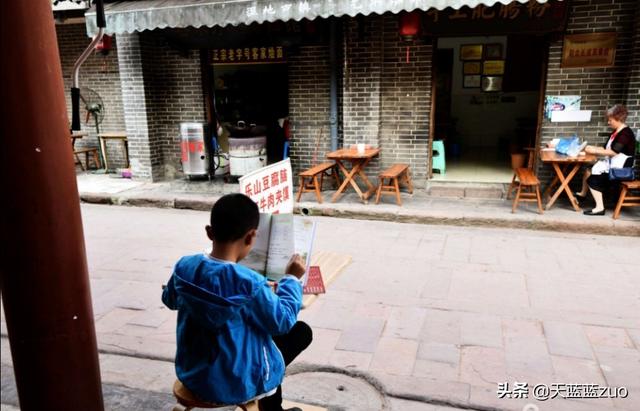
x: 405, y: 101
x: 99, y: 73
x: 600, y: 88
x: 633, y: 84
x: 146, y: 158
x: 173, y: 87
x: 309, y: 105
x: 362, y: 71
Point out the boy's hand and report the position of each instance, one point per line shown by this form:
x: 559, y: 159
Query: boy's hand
x: 296, y: 266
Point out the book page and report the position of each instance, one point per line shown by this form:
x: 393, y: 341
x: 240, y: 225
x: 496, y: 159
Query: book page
x: 303, y: 232
x: 257, y: 258
x: 281, y: 245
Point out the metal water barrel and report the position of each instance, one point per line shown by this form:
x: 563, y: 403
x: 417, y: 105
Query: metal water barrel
x: 195, y: 161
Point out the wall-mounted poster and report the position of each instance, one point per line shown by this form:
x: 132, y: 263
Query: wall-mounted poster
x: 491, y: 83
x: 471, y: 81
x: 471, y: 52
x: 471, y: 67
x: 561, y: 103
x: 589, y: 50
x: 493, y: 67
x: 493, y: 51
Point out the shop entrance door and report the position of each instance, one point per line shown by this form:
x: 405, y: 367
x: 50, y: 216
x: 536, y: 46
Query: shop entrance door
x: 252, y: 94
x: 488, y: 92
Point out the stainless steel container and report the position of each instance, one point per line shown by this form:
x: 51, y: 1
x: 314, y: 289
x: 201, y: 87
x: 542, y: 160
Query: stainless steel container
x: 195, y: 161
x: 247, y: 154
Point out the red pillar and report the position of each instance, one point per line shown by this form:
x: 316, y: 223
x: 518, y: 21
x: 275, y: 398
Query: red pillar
x: 45, y: 285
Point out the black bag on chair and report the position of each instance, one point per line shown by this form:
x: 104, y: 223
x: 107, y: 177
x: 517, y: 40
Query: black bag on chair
x: 622, y: 174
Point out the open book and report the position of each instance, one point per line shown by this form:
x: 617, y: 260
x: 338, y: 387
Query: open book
x: 279, y: 237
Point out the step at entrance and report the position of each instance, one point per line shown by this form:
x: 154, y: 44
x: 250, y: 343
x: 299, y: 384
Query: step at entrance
x: 451, y: 189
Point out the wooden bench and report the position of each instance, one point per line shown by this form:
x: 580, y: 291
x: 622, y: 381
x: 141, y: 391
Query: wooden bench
x: 309, y: 180
x: 393, y: 174
x: 525, y: 178
x: 189, y: 401
x: 87, y: 151
x: 625, y: 200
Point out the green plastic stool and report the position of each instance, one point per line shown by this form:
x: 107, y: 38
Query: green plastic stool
x: 438, y: 160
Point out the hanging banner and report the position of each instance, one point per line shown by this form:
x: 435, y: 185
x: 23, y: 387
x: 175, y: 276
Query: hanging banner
x: 589, y: 50
x: 271, y: 187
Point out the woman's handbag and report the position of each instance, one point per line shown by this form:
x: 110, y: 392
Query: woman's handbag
x: 622, y: 174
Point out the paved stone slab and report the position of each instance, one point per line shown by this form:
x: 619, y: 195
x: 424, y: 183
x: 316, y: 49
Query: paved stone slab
x: 441, y: 326
x: 483, y: 366
x: 439, y: 352
x: 361, y: 335
x: 567, y: 339
x: 350, y: 360
x: 405, y: 322
x: 484, y: 330
x: 608, y: 337
x: 394, y: 356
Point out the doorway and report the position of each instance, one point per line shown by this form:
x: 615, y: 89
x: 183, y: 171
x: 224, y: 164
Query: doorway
x: 488, y: 91
x: 252, y: 94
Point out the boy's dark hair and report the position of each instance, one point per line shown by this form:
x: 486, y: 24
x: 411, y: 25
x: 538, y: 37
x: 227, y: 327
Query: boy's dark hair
x: 232, y: 216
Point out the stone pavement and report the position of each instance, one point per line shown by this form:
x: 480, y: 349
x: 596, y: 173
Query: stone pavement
x: 442, y: 206
x: 432, y: 314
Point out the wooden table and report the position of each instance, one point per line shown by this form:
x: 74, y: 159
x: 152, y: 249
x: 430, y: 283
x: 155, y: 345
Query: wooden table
x: 120, y: 135
x: 358, y: 162
x: 566, y: 168
x: 76, y: 135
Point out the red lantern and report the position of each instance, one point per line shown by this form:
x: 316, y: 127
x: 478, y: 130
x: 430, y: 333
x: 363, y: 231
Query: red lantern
x: 104, y: 45
x: 409, y: 25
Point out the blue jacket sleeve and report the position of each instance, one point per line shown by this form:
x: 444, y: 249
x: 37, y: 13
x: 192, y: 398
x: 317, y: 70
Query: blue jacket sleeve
x: 169, y: 295
x: 276, y: 313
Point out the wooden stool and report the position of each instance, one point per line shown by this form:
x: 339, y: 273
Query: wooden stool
x: 524, y: 177
x: 314, y: 184
x: 627, y: 201
x: 86, y: 152
x: 188, y: 400
x: 393, y: 173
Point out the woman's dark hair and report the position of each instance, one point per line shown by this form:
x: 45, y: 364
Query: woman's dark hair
x: 618, y: 112
x: 232, y: 216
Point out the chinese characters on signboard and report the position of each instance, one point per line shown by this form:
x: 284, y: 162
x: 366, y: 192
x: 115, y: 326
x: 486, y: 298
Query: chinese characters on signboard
x: 247, y: 55
x: 531, y: 17
x: 271, y: 187
x: 589, y: 50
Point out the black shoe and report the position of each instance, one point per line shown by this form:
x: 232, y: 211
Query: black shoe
x: 293, y: 409
x: 590, y: 212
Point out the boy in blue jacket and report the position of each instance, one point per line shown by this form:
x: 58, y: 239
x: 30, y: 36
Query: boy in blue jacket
x: 234, y: 334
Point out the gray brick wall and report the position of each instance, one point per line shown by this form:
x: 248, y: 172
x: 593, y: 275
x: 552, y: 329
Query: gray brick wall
x: 600, y: 88
x: 173, y: 86
x: 309, y: 100
x: 405, y: 101
x: 146, y: 159
x: 99, y: 73
x: 362, y: 71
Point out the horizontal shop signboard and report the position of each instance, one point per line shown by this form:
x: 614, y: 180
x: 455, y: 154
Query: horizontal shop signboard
x: 589, y: 50
x: 248, y: 55
x: 531, y: 17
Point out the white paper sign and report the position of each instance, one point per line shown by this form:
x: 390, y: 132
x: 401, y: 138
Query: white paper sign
x: 270, y: 187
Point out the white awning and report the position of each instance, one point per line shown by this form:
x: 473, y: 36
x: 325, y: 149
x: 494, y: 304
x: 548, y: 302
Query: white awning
x: 132, y: 16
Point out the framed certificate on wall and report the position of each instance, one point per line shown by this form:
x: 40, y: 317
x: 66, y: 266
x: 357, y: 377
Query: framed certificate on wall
x: 471, y: 52
x: 493, y: 67
x: 471, y: 81
x: 471, y: 67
